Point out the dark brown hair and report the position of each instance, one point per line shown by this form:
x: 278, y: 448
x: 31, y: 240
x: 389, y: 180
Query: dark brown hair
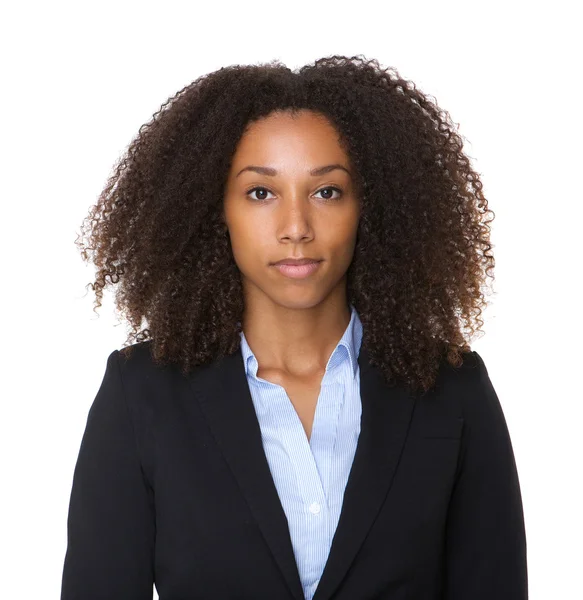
x: 422, y: 250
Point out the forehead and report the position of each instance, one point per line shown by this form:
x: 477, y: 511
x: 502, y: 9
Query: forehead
x: 284, y: 137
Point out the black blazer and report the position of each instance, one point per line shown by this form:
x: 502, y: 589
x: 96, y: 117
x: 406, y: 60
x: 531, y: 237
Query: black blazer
x: 172, y: 486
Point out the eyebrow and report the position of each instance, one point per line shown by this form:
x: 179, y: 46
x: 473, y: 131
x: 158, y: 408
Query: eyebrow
x: 318, y: 171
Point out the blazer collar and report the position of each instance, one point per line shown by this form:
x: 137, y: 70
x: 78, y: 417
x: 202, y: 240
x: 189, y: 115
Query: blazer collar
x: 223, y: 393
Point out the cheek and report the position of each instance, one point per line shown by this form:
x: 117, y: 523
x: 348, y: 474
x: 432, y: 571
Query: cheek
x: 249, y: 246
x: 341, y: 239
x: 341, y: 225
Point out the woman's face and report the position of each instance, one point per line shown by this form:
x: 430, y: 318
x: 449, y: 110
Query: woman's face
x: 275, y: 208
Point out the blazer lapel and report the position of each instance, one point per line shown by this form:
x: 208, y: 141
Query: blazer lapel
x: 386, y: 414
x: 223, y: 393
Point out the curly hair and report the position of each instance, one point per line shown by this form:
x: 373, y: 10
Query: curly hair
x: 422, y: 250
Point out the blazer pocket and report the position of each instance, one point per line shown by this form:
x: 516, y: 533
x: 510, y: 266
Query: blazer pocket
x: 441, y: 428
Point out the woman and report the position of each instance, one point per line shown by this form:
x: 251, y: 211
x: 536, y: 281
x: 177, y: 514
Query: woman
x: 302, y: 416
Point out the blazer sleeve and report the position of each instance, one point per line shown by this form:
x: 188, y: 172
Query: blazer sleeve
x: 485, y: 531
x: 110, y: 525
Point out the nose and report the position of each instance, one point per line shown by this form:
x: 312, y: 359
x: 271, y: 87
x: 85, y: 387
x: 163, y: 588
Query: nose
x: 295, y: 223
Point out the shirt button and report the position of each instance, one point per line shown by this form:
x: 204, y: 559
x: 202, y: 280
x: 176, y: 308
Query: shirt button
x: 314, y: 508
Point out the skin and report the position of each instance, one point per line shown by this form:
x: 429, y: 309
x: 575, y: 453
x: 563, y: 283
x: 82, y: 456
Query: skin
x: 292, y: 325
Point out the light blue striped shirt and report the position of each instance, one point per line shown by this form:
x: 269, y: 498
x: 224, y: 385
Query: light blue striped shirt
x: 310, y: 477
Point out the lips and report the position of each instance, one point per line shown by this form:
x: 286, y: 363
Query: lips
x: 298, y: 269
x: 296, y: 261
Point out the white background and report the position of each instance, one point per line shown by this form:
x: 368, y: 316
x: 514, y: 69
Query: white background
x: 78, y: 80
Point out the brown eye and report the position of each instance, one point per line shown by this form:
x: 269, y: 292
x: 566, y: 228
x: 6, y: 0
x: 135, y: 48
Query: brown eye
x: 260, y: 199
x: 331, y: 188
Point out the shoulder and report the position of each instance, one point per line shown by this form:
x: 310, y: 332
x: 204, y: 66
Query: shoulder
x: 482, y: 404
x: 142, y: 378
x: 484, y: 420
x: 137, y: 364
x: 134, y: 356
x: 455, y: 381
x: 466, y: 390
x: 471, y: 378
x: 467, y: 367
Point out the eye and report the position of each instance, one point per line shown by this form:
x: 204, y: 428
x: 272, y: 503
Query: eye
x: 263, y: 189
x: 252, y: 190
x: 331, y: 188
